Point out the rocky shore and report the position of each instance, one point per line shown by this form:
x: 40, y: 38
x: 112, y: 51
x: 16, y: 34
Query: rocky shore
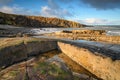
x: 64, y: 55
x: 90, y: 35
x: 53, y: 59
x: 17, y: 49
x: 34, y: 59
x: 13, y: 31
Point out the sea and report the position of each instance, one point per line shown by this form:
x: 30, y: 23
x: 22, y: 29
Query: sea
x: 110, y: 30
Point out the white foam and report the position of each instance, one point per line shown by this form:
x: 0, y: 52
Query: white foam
x: 114, y: 32
x: 42, y: 30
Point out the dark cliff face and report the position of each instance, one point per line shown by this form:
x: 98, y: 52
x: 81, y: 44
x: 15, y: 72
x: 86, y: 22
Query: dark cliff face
x: 36, y: 21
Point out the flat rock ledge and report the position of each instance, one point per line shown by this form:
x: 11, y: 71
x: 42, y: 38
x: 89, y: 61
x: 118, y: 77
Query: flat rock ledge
x: 13, y: 50
x: 96, y: 62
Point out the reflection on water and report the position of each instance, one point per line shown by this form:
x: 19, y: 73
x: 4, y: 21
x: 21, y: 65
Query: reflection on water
x: 90, y: 42
x: 115, y: 47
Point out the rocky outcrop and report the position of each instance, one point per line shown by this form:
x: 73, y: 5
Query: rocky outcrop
x: 36, y: 21
x: 40, y: 69
x: 97, y: 60
x: 101, y: 61
x: 91, y: 35
x: 44, y: 67
x: 17, y: 49
x: 90, y: 32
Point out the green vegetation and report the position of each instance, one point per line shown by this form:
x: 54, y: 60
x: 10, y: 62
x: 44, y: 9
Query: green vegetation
x: 50, y: 69
x: 36, y: 21
x: 14, y: 73
x: 14, y: 49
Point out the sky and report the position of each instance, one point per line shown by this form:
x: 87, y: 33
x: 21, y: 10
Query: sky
x: 91, y: 12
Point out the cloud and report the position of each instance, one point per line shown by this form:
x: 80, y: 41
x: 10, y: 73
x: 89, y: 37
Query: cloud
x: 54, y: 10
x: 103, y: 4
x: 52, y: 4
x: 16, y: 10
x: 49, y: 12
x: 3, y: 2
x: 96, y: 21
x: 6, y: 9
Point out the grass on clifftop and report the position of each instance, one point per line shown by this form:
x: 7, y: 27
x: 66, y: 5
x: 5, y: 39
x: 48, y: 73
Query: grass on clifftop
x: 36, y: 21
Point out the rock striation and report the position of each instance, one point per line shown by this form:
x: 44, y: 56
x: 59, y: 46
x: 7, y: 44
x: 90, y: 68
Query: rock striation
x: 18, y: 49
x: 90, y: 35
x: 97, y: 60
x: 36, y: 21
x: 38, y: 68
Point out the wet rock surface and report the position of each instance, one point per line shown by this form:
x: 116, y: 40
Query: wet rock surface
x: 22, y: 58
x: 90, y: 35
x: 47, y: 66
x: 12, y: 31
x: 91, y: 60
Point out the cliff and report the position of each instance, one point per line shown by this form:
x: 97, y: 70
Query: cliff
x: 36, y: 21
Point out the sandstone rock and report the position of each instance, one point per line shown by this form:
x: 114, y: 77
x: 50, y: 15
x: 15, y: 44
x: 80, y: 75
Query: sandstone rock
x: 34, y: 48
x: 17, y: 49
x: 12, y: 54
x: 91, y: 35
x: 99, y: 64
x: 19, y: 35
x: 59, y: 62
x: 65, y: 31
x: 26, y: 35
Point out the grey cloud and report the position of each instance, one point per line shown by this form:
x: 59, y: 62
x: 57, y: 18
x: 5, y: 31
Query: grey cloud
x: 52, y: 4
x: 66, y: 1
x: 4, y: 2
x: 103, y: 4
x: 97, y: 21
x: 17, y: 10
x: 53, y: 9
x: 48, y: 12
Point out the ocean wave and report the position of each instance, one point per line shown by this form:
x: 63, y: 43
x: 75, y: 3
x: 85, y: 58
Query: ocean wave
x: 114, y: 32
